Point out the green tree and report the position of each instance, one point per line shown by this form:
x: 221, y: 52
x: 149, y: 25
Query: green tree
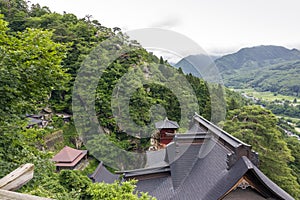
x: 29, y: 70
x: 294, y: 146
x: 116, y: 191
x: 295, y: 100
x: 257, y: 127
x: 161, y: 60
x: 74, y: 180
x: 15, y: 12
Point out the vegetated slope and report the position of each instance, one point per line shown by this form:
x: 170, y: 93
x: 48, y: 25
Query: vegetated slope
x: 280, y: 78
x: 255, y: 57
x: 265, y: 68
x: 75, y: 38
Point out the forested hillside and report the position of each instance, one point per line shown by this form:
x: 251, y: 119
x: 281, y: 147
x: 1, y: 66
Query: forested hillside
x: 41, y: 53
x: 264, y: 68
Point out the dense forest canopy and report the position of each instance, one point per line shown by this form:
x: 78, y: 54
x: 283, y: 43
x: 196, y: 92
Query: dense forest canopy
x: 257, y: 126
x: 41, y: 54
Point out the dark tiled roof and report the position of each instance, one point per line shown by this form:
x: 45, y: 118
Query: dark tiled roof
x: 191, y: 177
x: 244, y: 167
x: 159, y: 187
x: 156, y: 158
x: 209, y: 177
x: 271, y: 185
x: 144, y: 171
x: 183, y: 163
x: 166, y: 124
x: 204, y: 175
x: 101, y: 174
x: 229, y: 179
x: 218, y: 132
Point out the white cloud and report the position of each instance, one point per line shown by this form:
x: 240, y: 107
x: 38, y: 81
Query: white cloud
x: 215, y: 25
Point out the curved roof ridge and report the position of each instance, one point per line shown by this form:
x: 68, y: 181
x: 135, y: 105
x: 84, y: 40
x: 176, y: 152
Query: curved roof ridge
x: 166, y: 123
x: 219, y: 132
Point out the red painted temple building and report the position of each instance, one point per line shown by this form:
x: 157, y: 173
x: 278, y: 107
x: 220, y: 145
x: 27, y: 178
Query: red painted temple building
x: 167, y: 130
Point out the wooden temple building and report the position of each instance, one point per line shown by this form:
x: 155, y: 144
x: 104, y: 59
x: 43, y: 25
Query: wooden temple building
x: 206, y: 163
x: 167, y: 130
x: 69, y: 158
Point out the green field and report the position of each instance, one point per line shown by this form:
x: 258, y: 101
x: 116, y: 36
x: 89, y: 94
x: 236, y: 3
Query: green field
x: 292, y: 120
x: 268, y: 96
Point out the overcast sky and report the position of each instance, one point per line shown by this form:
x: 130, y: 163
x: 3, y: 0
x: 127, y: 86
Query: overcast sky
x: 218, y: 26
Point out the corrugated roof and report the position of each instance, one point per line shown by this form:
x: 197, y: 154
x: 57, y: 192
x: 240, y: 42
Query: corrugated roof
x: 67, y: 154
x: 166, y: 123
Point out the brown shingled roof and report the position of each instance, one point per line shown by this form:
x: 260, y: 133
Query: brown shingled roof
x: 67, y: 155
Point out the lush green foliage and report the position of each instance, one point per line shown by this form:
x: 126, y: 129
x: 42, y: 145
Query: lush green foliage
x: 257, y: 126
x: 73, y: 185
x: 294, y: 146
x: 40, y: 54
x: 116, y: 191
x: 283, y: 108
x: 30, y: 70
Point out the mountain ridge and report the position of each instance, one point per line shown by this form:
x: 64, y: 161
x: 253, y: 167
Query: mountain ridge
x: 264, y: 68
x: 257, y: 56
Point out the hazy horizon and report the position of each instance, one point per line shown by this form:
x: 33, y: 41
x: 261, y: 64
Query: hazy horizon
x: 219, y: 27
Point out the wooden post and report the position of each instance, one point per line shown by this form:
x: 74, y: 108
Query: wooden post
x: 9, y: 195
x: 17, y: 178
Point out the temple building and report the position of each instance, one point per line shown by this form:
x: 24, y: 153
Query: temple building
x: 206, y: 163
x: 69, y: 158
x: 167, y: 130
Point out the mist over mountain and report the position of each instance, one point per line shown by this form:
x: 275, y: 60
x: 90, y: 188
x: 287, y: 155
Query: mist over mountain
x: 191, y: 64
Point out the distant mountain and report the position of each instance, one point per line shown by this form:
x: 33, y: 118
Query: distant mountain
x: 258, y: 56
x: 265, y: 68
x: 190, y: 63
